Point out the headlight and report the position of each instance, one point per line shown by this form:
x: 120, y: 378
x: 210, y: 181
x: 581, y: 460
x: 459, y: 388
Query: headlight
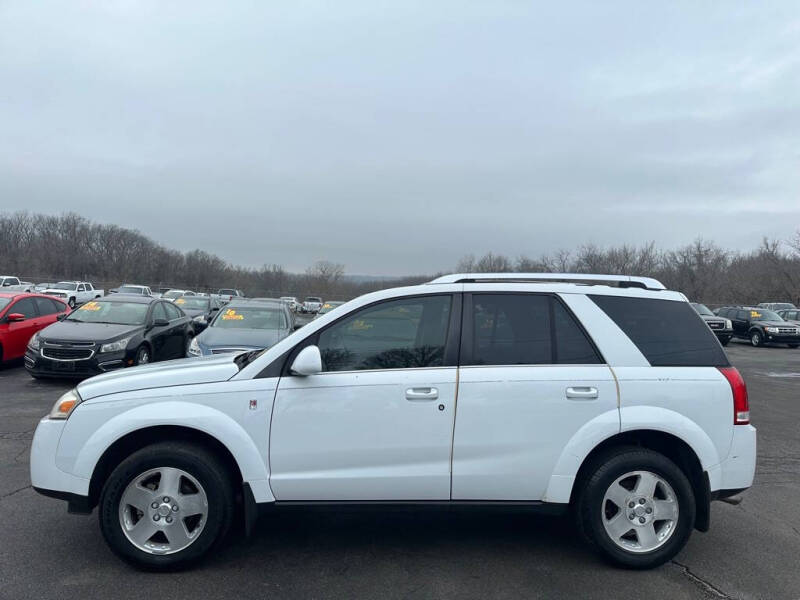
x: 771, y: 329
x: 728, y: 324
x: 194, y: 348
x: 33, y: 343
x: 65, y: 405
x: 199, y: 319
x: 115, y: 346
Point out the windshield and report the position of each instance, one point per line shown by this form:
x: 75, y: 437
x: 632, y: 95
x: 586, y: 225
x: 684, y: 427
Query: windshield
x: 65, y: 285
x: 129, y: 289
x: 227, y: 292
x: 118, y: 313
x: 173, y: 294
x: 762, y: 314
x: 192, y: 303
x: 251, y: 317
x: 329, y: 306
x: 702, y: 309
x: 312, y: 299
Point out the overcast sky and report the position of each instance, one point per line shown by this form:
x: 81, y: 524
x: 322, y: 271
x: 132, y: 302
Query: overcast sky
x: 396, y: 137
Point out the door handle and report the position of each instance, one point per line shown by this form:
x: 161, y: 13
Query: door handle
x: 421, y: 394
x: 582, y: 393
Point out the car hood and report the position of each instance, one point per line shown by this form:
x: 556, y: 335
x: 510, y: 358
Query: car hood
x: 712, y: 318
x: 56, y: 291
x: 185, y: 371
x: 214, y: 337
x: 776, y: 323
x: 70, y: 331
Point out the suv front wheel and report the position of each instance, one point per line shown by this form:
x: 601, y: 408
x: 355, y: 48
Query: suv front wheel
x: 636, y: 506
x: 755, y: 338
x: 166, y: 505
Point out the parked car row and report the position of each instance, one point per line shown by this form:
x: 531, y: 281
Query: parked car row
x: 760, y: 325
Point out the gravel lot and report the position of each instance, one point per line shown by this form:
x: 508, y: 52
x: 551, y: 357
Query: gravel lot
x: 752, y: 550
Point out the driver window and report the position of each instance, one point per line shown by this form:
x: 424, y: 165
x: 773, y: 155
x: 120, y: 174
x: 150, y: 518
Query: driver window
x: 399, y: 334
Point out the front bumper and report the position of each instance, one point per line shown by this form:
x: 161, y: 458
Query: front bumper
x: 41, y: 366
x: 46, y: 477
x: 778, y: 338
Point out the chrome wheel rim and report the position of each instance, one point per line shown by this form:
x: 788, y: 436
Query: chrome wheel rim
x: 640, y: 511
x: 144, y: 357
x: 755, y: 339
x: 163, y: 511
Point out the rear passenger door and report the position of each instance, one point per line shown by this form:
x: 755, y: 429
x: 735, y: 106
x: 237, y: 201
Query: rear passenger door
x: 529, y: 379
x: 178, y: 329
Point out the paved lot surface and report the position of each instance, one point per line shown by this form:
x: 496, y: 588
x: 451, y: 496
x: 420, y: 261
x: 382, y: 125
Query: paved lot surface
x: 752, y: 550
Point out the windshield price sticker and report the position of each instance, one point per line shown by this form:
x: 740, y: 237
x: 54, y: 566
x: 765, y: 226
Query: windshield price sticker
x: 232, y: 315
x: 180, y: 301
x: 91, y: 306
x: 754, y: 314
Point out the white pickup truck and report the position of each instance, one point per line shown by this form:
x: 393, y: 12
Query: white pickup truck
x: 9, y: 283
x: 74, y: 292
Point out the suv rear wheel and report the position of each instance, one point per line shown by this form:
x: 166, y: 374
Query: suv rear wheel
x: 637, y: 507
x: 166, y: 505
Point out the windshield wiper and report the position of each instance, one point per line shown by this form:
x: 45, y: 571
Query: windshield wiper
x: 245, y: 358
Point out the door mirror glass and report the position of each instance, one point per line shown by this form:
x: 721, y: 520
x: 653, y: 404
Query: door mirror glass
x: 16, y: 317
x: 307, y: 362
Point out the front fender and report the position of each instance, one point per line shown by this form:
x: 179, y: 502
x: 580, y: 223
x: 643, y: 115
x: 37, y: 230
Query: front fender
x: 178, y: 413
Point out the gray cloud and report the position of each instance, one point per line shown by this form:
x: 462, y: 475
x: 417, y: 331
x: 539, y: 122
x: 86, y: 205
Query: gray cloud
x: 396, y: 137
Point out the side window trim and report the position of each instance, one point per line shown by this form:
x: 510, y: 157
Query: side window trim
x: 467, y: 328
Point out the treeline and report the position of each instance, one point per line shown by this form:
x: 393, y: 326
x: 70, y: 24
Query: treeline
x: 703, y: 271
x: 46, y: 248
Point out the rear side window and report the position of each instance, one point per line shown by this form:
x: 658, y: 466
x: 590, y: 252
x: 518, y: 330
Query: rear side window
x: 667, y: 332
x: 524, y: 329
x: 47, y: 306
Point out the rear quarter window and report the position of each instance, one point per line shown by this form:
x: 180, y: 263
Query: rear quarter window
x: 669, y: 333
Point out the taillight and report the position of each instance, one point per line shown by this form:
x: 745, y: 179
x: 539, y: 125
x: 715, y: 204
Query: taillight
x: 741, y: 407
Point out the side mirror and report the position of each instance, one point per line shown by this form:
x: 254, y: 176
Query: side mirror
x: 307, y: 362
x: 297, y: 325
x: 160, y: 323
x: 214, y: 308
x: 16, y: 317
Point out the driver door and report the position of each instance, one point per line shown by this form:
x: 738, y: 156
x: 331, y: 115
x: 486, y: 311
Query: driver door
x: 377, y: 422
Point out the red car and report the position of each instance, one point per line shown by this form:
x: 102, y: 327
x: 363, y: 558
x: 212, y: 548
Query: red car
x: 21, y: 315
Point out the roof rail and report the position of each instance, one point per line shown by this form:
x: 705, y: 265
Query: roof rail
x: 647, y: 283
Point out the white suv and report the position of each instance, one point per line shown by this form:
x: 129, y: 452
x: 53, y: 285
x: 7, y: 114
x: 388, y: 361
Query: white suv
x: 521, y: 389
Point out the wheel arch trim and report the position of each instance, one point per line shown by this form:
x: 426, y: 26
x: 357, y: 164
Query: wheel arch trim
x: 631, y: 420
x: 184, y: 415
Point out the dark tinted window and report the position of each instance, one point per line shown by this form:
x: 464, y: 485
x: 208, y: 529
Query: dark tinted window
x: 159, y: 312
x: 525, y: 329
x: 173, y: 312
x: 405, y: 333
x: 47, y: 306
x: 25, y: 307
x: 668, y: 333
x: 571, y: 344
x: 741, y: 315
x: 510, y: 329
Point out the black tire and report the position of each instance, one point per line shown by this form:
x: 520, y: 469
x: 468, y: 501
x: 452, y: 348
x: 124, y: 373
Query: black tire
x: 143, y: 355
x: 71, y: 303
x: 201, y: 464
x: 756, y: 339
x: 604, y: 470
x: 724, y: 341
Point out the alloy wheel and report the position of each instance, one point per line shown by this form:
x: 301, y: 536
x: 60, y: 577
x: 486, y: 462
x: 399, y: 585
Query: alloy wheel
x: 640, y: 511
x: 163, y: 510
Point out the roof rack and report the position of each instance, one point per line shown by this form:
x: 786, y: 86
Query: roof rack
x: 647, y: 283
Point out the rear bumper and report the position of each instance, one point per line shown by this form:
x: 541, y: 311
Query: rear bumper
x: 738, y: 470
